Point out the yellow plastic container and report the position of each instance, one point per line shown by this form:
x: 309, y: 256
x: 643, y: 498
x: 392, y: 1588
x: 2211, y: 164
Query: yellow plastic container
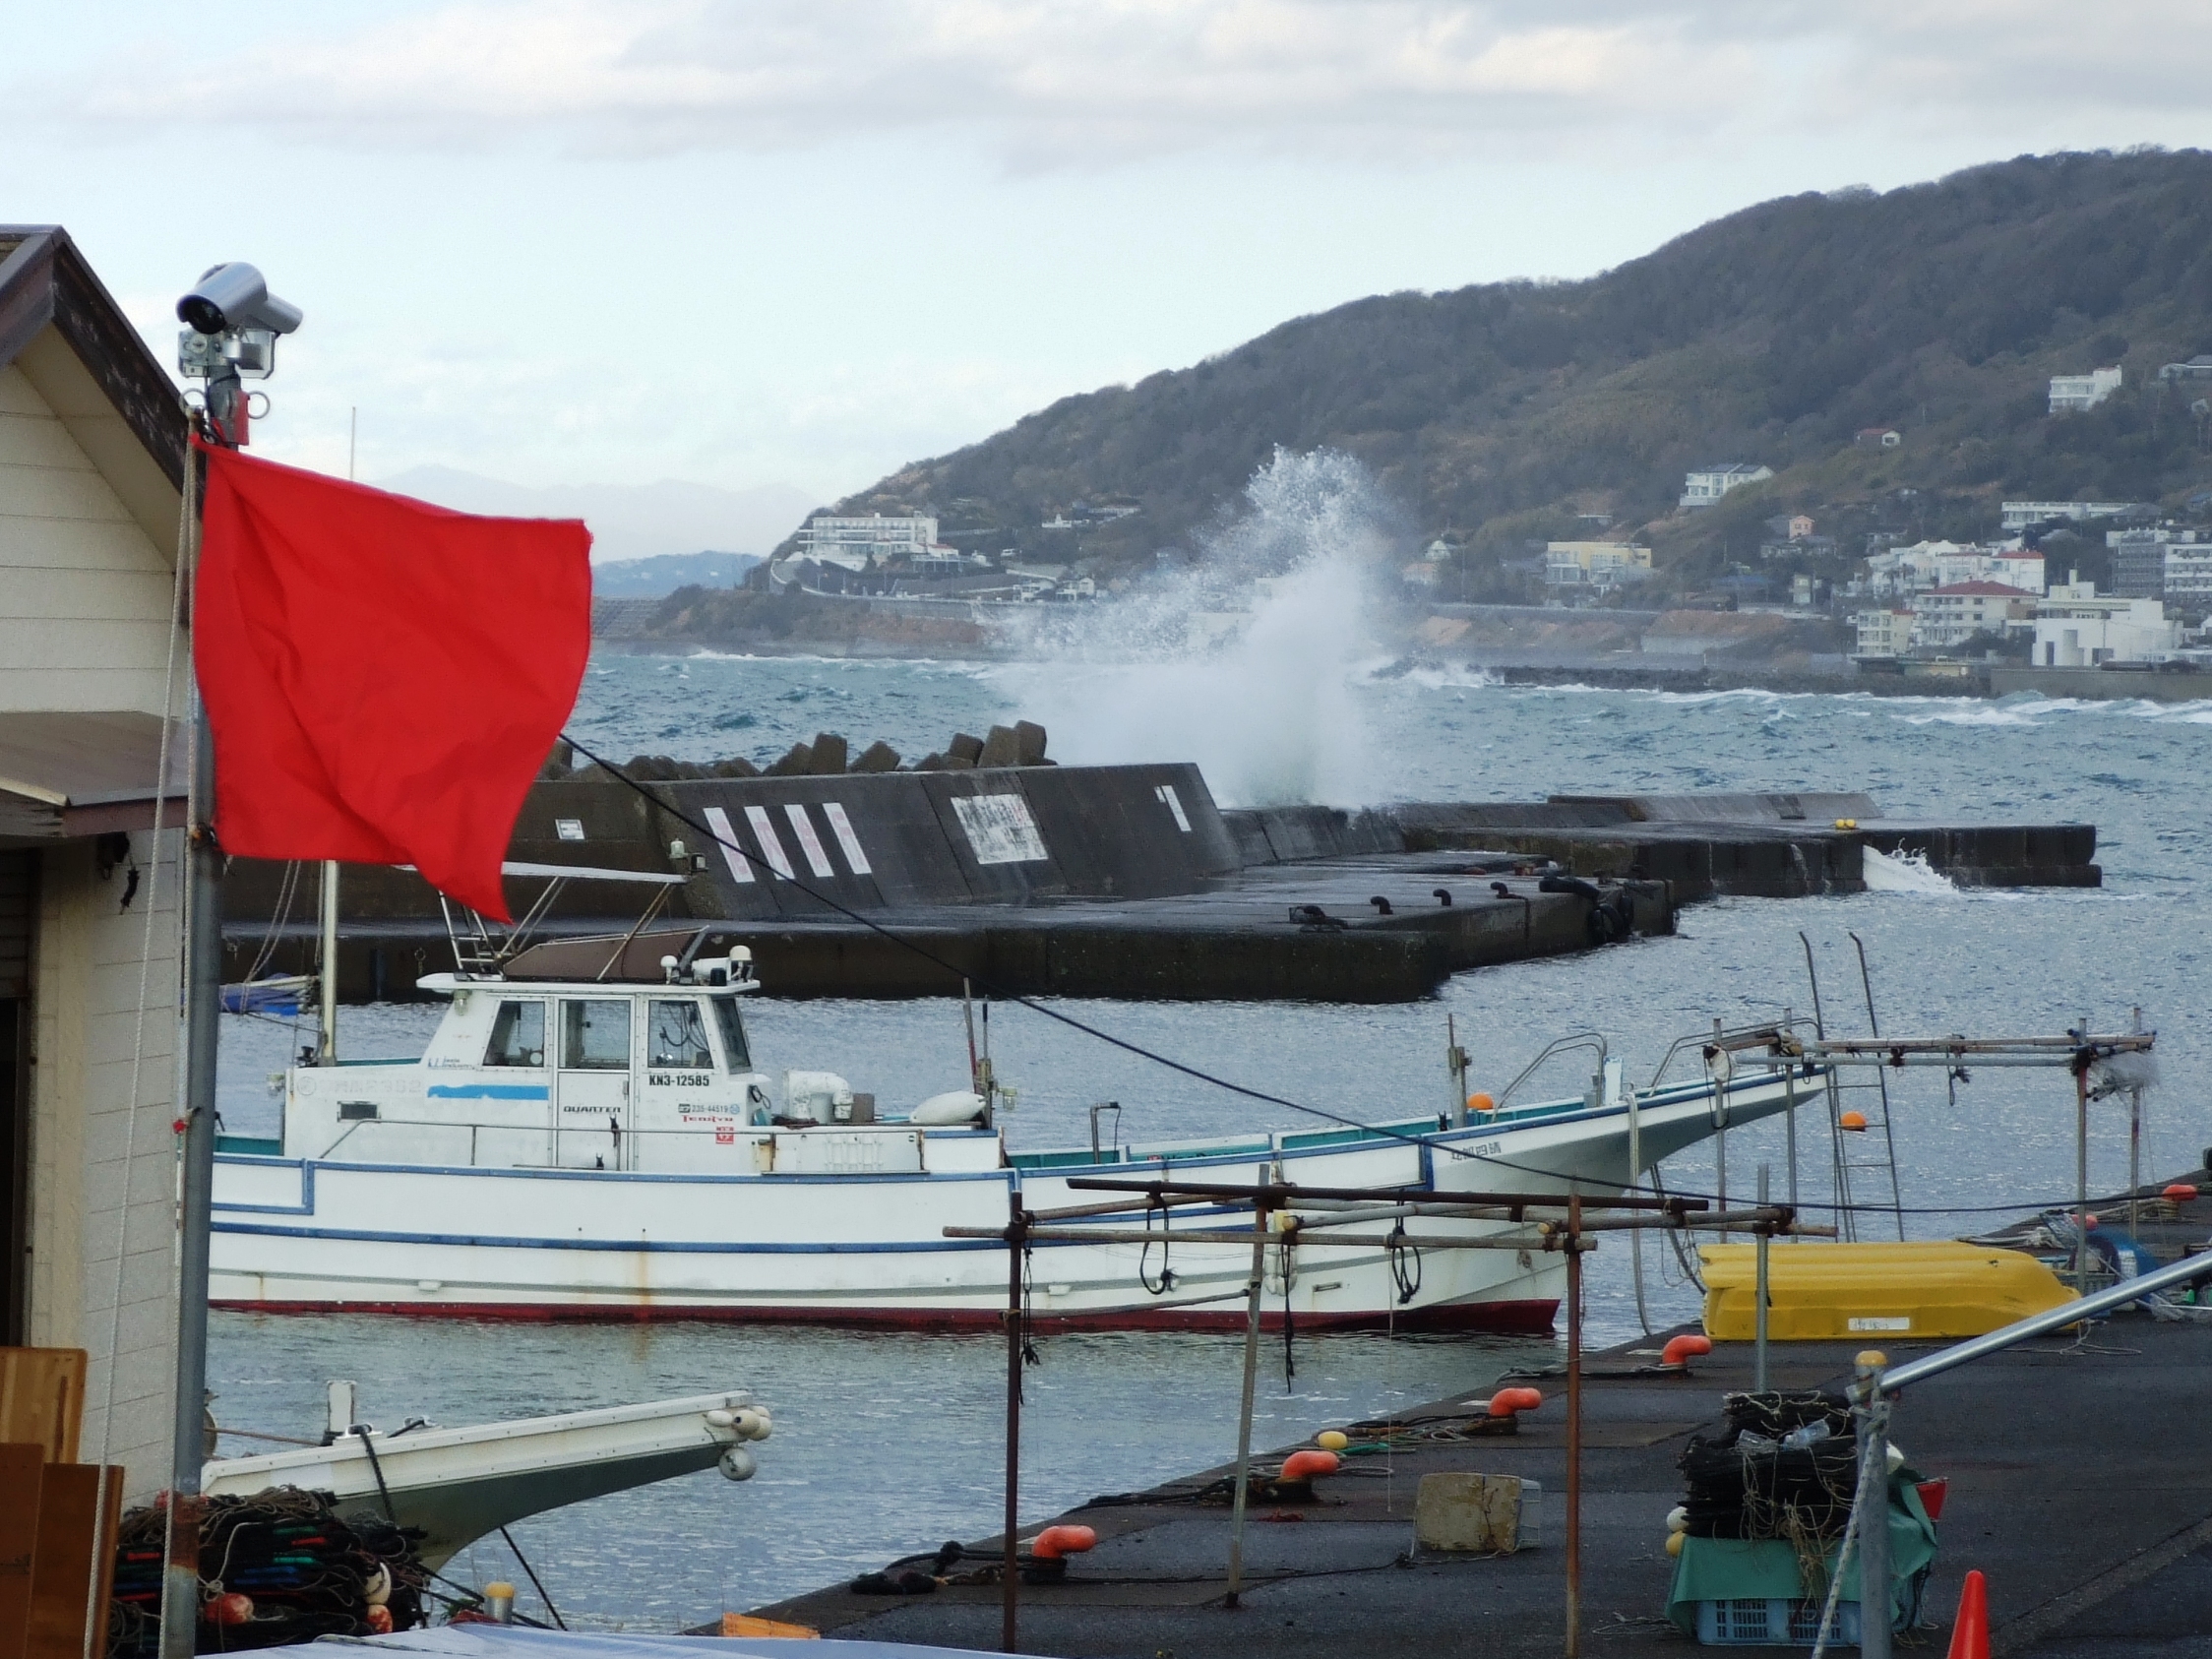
x: 1835, y: 1292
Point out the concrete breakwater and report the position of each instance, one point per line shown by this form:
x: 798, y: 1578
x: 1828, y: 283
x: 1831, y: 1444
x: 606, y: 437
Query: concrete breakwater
x: 1130, y: 881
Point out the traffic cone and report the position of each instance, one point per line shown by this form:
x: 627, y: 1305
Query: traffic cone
x: 1970, y: 1632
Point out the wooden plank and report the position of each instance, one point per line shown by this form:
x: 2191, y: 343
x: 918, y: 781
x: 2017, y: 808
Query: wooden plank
x: 21, y: 1474
x: 42, y: 1399
x: 73, y: 1568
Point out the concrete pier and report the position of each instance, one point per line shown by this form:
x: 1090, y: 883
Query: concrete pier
x: 2093, y: 1528
x: 1130, y: 882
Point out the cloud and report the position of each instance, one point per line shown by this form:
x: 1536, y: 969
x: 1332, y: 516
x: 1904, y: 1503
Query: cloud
x: 1042, y: 82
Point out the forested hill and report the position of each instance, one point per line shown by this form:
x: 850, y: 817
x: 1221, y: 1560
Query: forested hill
x: 1496, y: 413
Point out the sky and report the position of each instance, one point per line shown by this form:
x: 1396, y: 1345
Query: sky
x: 744, y: 243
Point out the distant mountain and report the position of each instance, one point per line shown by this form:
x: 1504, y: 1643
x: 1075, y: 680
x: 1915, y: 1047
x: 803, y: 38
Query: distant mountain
x: 627, y: 520
x: 1500, y: 412
x: 659, y: 577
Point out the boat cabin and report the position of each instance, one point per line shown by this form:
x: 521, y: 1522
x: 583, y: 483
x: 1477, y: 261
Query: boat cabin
x: 549, y: 1065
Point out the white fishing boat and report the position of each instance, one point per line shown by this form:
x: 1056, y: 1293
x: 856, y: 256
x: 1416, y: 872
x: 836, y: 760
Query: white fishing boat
x: 589, y: 1136
x: 461, y: 1483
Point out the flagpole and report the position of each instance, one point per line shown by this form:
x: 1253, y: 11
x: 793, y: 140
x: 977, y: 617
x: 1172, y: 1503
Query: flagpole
x: 203, y: 1003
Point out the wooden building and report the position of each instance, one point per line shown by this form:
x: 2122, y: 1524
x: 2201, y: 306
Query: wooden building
x: 92, y: 664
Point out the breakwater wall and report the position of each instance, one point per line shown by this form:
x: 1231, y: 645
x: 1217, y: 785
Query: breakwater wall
x: 1128, y: 880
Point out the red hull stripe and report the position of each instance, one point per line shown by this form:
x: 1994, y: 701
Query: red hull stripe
x: 1529, y: 1318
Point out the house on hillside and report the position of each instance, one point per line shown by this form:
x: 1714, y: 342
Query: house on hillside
x: 2199, y: 367
x: 2071, y: 393
x: 1704, y: 485
x: 1594, y: 565
x: 93, y: 669
x: 1946, y: 618
x: 1877, y: 438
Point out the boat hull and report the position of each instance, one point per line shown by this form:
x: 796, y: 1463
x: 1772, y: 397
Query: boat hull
x: 297, y: 1236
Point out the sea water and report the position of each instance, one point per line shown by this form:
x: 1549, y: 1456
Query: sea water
x: 889, y: 1444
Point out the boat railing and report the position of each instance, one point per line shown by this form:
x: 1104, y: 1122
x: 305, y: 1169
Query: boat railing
x: 1594, y: 1040
x: 475, y: 1128
x: 1766, y: 1034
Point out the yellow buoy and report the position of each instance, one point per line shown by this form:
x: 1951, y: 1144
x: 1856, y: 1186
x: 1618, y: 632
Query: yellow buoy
x: 1332, y: 1440
x: 1674, y: 1541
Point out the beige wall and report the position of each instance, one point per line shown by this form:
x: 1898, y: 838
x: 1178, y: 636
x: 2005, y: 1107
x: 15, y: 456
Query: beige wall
x: 87, y: 546
x: 85, y: 589
x: 90, y: 963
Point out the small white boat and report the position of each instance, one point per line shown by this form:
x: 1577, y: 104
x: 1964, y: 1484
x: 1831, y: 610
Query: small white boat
x: 459, y: 1485
x: 588, y: 1137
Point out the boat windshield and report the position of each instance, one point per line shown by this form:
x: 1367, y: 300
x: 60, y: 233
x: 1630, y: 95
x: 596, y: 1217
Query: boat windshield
x: 678, y: 1037
x: 740, y: 1058
x: 518, y: 1035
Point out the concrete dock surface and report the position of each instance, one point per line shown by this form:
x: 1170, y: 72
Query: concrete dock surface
x: 2075, y: 1487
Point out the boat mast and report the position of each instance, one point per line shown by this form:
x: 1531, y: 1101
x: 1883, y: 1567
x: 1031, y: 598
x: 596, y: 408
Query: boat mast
x: 326, y: 1049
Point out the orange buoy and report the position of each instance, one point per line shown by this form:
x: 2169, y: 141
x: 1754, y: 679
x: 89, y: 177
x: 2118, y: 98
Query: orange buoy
x: 1305, y: 1465
x: 1506, y: 1401
x: 379, y: 1620
x: 2179, y: 1193
x: 1970, y: 1631
x: 230, y: 1608
x: 1058, y: 1541
x: 1853, y: 1121
x: 1481, y: 1103
x: 1681, y: 1350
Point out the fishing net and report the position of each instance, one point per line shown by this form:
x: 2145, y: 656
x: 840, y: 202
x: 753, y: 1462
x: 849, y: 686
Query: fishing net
x: 302, y: 1572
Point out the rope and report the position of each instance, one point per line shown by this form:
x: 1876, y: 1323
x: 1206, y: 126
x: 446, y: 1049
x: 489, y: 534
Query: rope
x: 187, y: 547
x: 534, y: 1583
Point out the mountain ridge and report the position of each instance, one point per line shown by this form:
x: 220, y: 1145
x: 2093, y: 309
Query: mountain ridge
x: 1500, y: 412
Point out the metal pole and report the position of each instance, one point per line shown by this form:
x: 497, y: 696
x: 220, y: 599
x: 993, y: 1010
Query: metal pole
x: 2081, y: 1174
x: 1873, y: 1501
x: 1573, y: 1427
x: 1789, y: 1120
x: 326, y: 1051
x: 1244, y: 1419
x: 203, y: 1004
x: 1765, y: 1237
x: 2134, y: 1143
x: 1011, y: 1591
x: 2189, y: 1269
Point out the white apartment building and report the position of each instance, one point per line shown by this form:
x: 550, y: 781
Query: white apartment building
x: 1707, y: 484
x: 1594, y: 564
x: 1886, y: 632
x: 1944, y: 618
x: 856, y: 542
x: 2138, y: 558
x: 1903, y: 571
x: 2017, y: 516
x: 2188, y: 575
x: 2074, y: 392
x: 2076, y: 627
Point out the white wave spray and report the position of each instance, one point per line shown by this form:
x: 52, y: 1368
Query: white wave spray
x: 1244, y: 661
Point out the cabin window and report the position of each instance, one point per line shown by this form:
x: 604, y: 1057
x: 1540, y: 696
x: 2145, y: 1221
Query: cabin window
x: 733, y: 1034
x: 595, y: 1035
x: 678, y: 1038
x: 518, y: 1035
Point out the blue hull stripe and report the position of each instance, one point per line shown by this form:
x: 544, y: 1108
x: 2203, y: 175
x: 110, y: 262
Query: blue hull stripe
x: 625, y: 1247
x: 490, y: 1091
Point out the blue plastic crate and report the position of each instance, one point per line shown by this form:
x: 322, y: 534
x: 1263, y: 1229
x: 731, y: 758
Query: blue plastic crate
x: 1773, y: 1623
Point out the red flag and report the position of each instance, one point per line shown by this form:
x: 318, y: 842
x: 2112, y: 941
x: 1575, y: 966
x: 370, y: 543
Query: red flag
x: 383, y: 677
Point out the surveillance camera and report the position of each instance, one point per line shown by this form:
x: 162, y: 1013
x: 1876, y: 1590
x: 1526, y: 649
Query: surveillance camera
x: 234, y: 296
